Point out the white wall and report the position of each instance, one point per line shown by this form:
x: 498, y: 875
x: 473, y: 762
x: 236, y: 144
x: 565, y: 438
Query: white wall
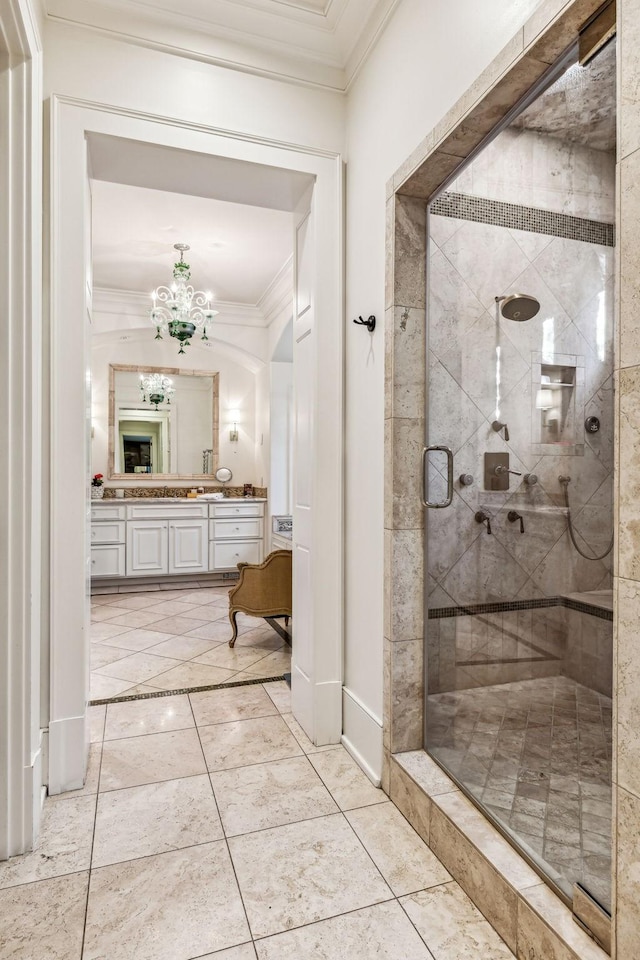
x: 83, y: 64
x: 427, y: 57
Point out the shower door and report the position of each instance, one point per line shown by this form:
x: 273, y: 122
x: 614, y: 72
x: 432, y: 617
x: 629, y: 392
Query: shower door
x: 519, y: 623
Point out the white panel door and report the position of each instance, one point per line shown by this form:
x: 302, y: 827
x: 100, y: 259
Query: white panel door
x: 147, y: 547
x: 188, y: 546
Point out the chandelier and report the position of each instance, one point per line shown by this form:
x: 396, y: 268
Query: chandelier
x: 156, y: 387
x: 178, y: 309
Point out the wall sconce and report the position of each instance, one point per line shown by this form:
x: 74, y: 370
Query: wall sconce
x: 234, y: 416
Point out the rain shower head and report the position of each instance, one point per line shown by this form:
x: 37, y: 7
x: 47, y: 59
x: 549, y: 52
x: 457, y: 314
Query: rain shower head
x: 518, y: 306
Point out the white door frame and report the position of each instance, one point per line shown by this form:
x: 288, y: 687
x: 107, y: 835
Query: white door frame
x: 21, y: 460
x: 70, y: 122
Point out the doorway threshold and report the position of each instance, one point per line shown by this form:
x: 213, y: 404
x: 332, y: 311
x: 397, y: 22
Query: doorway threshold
x: 152, y: 695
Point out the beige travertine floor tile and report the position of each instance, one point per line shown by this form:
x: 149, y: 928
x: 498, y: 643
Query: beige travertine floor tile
x: 154, y: 818
x: 190, y: 674
x: 45, y: 920
x: 140, y: 688
x: 135, y: 640
x: 403, y: 859
x: 136, y: 602
x: 97, y: 717
x: 102, y: 687
x: 204, y: 596
x: 232, y: 658
x: 452, y: 927
x: 101, y: 655
x: 280, y: 692
x: 236, y: 703
x: 158, y: 756
x: 382, y: 931
x: 167, y: 608
x: 138, y: 667
x: 105, y: 611
x: 178, y: 625
x: 182, y: 648
x: 218, y: 631
x: 135, y: 618
x: 346, y: 782
x: 105, y: 630
x: 174, y: 906
x: 266, y: 639
x: 270, y: 794
x: 245, y: 952
x: 208, y: 611
x: 139, y: 717
x: 236, y: 744
x: 307, y: 745
x: 304, y: 872
x: 272, y: 665
x: 64, y: 845
x: 98, y: 598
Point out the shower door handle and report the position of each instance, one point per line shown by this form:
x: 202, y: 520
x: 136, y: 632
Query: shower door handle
x: 425, y: 481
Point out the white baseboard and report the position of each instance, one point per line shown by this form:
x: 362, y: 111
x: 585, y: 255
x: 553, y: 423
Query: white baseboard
x: 68, y: 752
x: 362, y: 736
x: 317, y: 707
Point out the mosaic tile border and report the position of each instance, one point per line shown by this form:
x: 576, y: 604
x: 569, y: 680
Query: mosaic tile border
x: 472, y: 610
x: 517, y: 217
x: 172, y: 693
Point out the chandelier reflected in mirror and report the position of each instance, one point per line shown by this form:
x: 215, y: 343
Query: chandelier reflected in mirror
x: 178, y: 309
x: 157, y: 388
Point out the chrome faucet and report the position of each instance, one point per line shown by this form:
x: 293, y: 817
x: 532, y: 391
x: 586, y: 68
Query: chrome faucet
x: 498, y: 426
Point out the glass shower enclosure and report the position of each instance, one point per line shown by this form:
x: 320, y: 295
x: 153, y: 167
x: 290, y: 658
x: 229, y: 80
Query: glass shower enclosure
x: 519, y: 476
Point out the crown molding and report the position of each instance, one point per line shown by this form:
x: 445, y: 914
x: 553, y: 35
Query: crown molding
x: 319, y: 43
x: 132, y: 306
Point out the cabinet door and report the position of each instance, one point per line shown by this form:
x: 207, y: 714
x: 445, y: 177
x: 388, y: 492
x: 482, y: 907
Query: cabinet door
x: 147, y: 547
x: 107, y: 560
x: 188, y: 546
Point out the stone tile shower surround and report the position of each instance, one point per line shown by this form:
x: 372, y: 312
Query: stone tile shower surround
x: 544, y: 37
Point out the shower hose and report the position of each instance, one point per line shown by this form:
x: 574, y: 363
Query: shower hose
x: 565, y: 481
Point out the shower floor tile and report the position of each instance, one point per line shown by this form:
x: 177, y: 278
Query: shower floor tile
x: 537, y: 755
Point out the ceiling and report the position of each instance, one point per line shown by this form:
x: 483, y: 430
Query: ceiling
x: 321, y: 42
x: 236, y: 250
x: 580, y: 106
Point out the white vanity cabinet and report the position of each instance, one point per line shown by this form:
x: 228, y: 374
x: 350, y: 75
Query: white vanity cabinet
x: 235, y: 534
x: 107, y: 540
x: 167, y: 538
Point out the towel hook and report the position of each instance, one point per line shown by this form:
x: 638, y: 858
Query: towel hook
x: 370, y: 324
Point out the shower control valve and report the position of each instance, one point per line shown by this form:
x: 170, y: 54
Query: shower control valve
x: 482, y: 517
x: 513, y: 516
x: 531, y: 479
x: 465, y: 479
x: 501, y: 471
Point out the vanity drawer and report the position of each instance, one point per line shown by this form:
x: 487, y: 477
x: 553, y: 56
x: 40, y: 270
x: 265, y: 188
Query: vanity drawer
x: 107, y: 512
x: 167, y: 511
x: 108, y: 532
x: 229, y: 510
x: 107, y: 560
x: 241, y: 529
x: 224, y: 555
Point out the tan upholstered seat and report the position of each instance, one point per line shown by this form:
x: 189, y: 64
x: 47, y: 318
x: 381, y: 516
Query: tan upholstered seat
x: 263, y: 590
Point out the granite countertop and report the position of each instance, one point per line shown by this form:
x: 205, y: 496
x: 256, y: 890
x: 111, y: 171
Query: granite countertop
x: 110, y: 501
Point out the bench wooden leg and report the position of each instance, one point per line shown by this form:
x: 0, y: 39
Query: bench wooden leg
x: 232, y: 618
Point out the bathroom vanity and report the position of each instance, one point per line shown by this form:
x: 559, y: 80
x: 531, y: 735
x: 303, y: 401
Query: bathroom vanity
x: 173, y: 537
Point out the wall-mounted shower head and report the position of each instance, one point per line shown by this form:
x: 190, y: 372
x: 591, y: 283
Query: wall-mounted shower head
x: 518, y: 306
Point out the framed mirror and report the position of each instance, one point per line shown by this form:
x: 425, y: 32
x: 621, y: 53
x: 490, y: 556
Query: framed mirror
x: 163, y: 423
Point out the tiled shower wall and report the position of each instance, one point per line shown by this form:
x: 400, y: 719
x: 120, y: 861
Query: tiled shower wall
x: 470, y: 262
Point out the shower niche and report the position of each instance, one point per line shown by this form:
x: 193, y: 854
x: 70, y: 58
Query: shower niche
x: 557, y: 404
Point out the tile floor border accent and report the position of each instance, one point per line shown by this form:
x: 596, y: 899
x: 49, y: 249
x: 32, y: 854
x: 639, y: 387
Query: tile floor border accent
x: 152, y: 695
